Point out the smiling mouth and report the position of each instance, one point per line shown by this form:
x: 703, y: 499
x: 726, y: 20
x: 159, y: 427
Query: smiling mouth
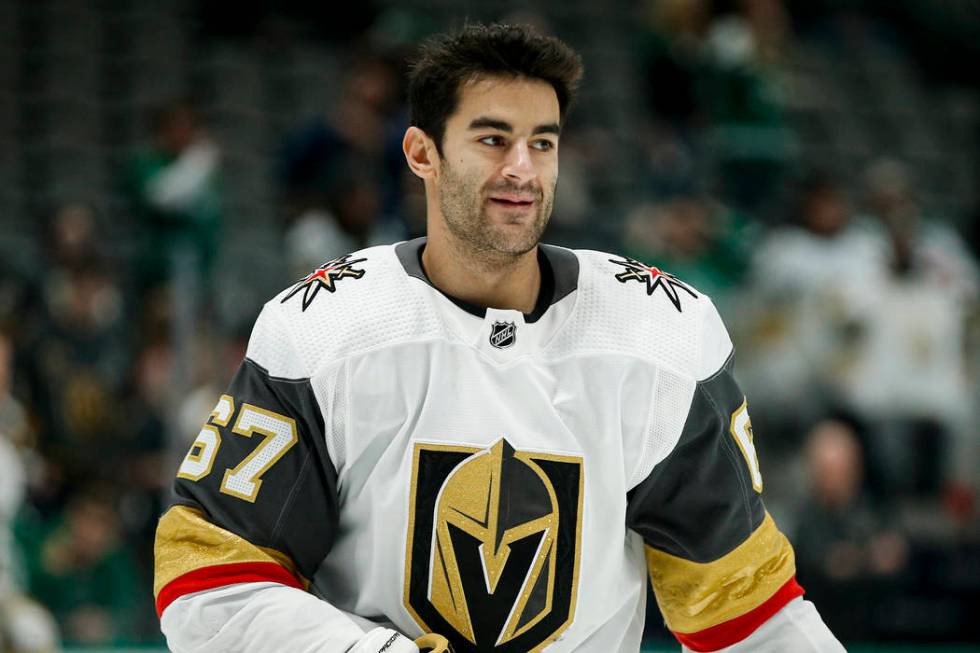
x: 512, y: 203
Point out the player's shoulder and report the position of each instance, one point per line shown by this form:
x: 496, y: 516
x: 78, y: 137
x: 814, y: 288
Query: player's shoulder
x: 625, y: 286
x: 349, y: 304
x: 641, y: 309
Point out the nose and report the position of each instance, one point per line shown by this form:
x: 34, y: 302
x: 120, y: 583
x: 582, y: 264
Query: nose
x: 518, y: 165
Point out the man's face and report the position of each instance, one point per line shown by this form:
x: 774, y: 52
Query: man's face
x: 499, y: 166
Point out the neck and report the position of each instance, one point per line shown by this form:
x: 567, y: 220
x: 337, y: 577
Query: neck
x: 485, y: 279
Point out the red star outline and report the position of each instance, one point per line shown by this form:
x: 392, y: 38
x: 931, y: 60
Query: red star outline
x: 654, y: 278
x: 326, y: 277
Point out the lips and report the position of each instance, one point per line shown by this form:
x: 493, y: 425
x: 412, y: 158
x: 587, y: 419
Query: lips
x: 512, y: 200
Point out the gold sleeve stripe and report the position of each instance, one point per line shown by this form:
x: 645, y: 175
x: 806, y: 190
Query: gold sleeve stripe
x: 186, y: 542
x: 694, y: 595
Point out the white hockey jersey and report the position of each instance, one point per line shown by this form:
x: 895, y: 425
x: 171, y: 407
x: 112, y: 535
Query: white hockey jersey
x: 505, y: 480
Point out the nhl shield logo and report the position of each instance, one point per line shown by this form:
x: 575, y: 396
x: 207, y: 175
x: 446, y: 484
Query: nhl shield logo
x: 503, y: 334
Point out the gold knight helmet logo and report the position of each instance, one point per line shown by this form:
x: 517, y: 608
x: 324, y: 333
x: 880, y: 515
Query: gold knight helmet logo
x: 493, y: 550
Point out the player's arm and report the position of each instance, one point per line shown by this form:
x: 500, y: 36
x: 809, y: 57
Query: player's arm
x: 723, y: 573
x: 254, y: 513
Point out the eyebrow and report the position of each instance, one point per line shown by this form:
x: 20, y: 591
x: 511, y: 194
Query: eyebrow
x: 485, y: 122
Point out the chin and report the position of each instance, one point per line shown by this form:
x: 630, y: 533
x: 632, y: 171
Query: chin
x: 516, y: 246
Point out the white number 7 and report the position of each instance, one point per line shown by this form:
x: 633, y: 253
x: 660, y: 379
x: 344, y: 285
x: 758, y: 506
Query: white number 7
x: 280, y: 435
x: 741, y: 429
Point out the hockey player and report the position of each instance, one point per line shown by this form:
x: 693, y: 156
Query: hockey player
x: 475, y: 439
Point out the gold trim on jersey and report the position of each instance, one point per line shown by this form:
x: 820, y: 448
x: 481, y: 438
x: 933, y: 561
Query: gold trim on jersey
x: 223, y: 410
x: 186, y: 541
x: 694, y: 596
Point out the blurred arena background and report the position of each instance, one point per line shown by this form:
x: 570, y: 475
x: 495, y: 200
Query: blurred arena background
x: 166, y: 167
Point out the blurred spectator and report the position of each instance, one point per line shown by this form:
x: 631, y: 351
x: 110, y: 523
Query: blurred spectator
x: 71, y: 239
x: 843, y: 549
x: 82, y: 572
x: 141, y: 451
x: 342, y: 172
x: 796, y: 326
x: 75, y: 360
x: 748, y: 137
x: 672, y: 58
x: 694, y: 238
x: 909, y: 371
x: 174, y: 189
x: 25, y: 627
x: 712, y: 80
x: 673, y: 62
x: 149, y: 396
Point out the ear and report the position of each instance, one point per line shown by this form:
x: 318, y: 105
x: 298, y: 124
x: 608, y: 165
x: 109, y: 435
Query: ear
x: 420, y: 153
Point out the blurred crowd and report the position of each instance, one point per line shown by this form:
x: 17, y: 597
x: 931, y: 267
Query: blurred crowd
x: 853, y: 305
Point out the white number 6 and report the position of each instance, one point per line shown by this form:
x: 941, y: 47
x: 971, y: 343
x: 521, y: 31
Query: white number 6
x: 198, y: 461
x: 741, y: 429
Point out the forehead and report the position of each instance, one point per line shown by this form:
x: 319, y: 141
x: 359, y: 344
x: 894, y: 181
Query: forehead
x: 520, y: 101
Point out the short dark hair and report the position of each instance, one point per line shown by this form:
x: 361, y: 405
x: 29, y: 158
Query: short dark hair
x: 446, y: 62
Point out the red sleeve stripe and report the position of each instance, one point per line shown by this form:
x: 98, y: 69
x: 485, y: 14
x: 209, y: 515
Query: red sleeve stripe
x: 207, y: 578
x: 737, y: 629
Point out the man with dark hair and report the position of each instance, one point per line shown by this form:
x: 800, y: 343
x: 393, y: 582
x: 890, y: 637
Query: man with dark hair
x: 474, y: 439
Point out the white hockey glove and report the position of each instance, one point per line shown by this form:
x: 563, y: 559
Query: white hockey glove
x: 384, y: 640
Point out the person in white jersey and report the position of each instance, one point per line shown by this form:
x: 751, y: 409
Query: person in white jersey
x: 476, y: 442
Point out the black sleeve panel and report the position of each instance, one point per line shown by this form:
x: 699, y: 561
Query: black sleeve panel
x: 698, y: 503
x: 295, y: 510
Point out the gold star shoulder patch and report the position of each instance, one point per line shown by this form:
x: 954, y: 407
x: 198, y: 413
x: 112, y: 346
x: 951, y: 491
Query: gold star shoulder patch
x: 325, y: 277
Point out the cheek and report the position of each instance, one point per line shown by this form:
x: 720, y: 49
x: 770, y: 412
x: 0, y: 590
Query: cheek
x: 550, y: 181
x: 548, y: 171
x: 461, y: 178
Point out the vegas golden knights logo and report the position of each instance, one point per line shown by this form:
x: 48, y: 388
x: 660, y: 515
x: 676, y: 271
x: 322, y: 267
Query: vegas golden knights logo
x: 493, y: 545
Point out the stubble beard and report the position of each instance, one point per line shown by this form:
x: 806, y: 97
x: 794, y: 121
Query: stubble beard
x: 464, y: 209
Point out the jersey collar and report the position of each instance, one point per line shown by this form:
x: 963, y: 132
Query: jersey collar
x: 559, y: 276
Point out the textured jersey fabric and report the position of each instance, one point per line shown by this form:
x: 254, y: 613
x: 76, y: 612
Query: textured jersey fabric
x: 506, y: 480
